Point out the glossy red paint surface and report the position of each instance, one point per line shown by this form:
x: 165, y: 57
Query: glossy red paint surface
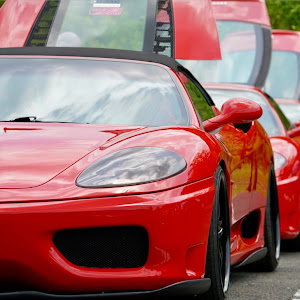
x: 16, y: 20
x: 248, y: 166
x: 288, y: 181
x: 286, y: 40
x: 41, y: 266
x: 195, y: 17
x: 234, y: 111
x: 294, y: 132
x: 253, y: 11
x: 287, y: 177
x: 40, y: 197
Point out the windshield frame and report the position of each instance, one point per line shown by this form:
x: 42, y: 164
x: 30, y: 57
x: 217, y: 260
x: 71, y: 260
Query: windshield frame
x: 166, y: 68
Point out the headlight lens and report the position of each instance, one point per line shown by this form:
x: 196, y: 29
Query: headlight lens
x: 279, y: 161
x: 132, y: 166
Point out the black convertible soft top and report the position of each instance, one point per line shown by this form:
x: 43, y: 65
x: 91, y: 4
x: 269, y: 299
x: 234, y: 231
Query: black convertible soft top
x: 93, y: 52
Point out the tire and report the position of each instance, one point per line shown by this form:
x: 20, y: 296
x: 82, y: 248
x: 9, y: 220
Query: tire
x: 272, y: 227
x: 218, y: 249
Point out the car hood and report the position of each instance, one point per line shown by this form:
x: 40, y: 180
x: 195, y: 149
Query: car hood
x: 31, y: 154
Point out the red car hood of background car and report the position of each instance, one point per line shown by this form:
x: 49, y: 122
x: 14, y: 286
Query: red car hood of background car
x: 32, y: 154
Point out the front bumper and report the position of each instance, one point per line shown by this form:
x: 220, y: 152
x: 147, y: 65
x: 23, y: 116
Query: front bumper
x: 185, y: 288
x: 177, y: 222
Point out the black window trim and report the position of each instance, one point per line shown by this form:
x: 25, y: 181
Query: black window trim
x: 206, y: 96
x: 188, y: 74
x: 55, y: 28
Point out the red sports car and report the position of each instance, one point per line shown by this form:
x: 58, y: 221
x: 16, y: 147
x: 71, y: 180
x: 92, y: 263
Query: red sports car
x: 120, y: 177
x: 286, y: 154
x: 245, y: 39
x: 283, y: 80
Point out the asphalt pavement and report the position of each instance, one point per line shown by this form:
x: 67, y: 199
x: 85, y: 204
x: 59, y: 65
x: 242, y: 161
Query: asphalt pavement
x: 282, y: 284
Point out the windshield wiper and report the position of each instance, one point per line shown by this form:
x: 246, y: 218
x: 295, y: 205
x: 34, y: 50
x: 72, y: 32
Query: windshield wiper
x: 34, y: 119
x: 24, y: 119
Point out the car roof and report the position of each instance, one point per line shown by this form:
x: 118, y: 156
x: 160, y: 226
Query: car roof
x: 92, y: 52
x: 232, y: 86
x: 287, y: 101
x: 286, y: 40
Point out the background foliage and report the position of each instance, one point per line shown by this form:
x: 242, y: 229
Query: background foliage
x: 284, y: 14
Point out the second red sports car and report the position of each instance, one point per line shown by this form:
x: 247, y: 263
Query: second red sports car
x: 286, y: 154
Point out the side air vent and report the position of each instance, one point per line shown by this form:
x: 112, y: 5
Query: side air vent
x: 40, y: 31
x: 164, y: 32
x: 244, y: 126
x: 104, y: 247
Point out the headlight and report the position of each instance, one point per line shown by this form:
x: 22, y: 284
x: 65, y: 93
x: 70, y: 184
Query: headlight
x: 132, y: 166
x: 279, y: 161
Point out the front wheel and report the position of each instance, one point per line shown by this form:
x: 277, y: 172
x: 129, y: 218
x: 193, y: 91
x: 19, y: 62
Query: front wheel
x: 218, y: 249
x: 272, y: 226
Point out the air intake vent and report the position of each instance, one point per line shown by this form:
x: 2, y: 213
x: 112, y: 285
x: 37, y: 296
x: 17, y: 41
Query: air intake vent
x: 40, y: 31
x: 164, y: 32
x: 104, y: 247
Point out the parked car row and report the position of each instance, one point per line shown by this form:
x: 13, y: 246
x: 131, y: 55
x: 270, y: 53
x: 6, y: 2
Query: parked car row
x: 122, y: 175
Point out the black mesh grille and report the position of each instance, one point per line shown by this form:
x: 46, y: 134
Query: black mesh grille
x: 104, y: 247
x: 40, y: 31
x: 164, y: 32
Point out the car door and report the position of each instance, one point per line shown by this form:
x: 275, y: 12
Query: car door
x: 237, y: 142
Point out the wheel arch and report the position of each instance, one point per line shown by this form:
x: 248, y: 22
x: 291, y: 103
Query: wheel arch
x: 274, y: 193
x: 227, y: 193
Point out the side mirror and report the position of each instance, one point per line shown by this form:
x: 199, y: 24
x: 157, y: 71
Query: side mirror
x: 294, y: 132
x: 236, y: 110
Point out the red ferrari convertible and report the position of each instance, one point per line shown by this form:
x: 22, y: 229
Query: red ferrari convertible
x: 120, y: 177
x: 286, y: 154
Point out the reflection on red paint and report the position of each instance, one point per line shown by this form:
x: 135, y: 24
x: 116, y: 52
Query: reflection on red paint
x: 5, y: 129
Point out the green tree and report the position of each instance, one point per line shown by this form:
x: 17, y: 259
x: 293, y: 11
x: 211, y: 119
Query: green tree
x: 284, y: 14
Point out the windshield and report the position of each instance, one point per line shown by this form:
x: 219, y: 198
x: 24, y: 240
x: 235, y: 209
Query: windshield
x: 268, y: 120
x: 89, y: 91
x: 242, y: 54
x: 292, y: 111
x: 102, y: 24
x: 283, y: 79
